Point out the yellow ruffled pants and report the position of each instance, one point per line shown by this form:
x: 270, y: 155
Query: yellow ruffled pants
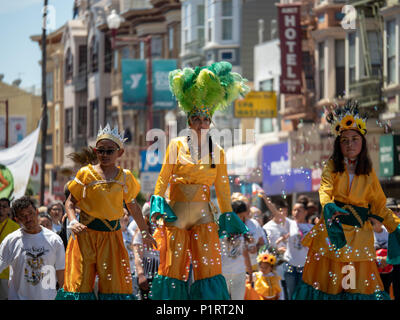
x: 192, y: 237
x: 333, y: 276
x: 99, y: 253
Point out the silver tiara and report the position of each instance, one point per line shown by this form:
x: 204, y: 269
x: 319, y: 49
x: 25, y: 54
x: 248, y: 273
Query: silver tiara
x: 113, y: 133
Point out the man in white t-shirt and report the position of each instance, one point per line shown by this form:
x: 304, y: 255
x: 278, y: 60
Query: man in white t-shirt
x: 277, y: 231
x: 36, y: 256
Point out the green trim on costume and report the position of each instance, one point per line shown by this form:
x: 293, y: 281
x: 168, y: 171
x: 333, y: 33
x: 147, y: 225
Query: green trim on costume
x: 166, y: 288
x: 116, y: 296
x: 229, y: 224
x: 66, y: 295
x: 334, y: 228
x: 306, y: 292
x: 159, y: 205
x: 393, y: 256
x: 213, y: 288
x: 99, y: 225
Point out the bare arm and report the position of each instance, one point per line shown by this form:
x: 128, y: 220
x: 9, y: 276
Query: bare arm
x: 136, y: 213
x: 138, y: 253
x: 70, y: 209
x: 60, y: 277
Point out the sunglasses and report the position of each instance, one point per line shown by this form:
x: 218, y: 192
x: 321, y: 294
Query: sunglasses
x: 105, y: 151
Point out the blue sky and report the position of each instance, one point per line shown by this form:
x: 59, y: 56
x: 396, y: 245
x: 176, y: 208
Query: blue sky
x: 19, y: 55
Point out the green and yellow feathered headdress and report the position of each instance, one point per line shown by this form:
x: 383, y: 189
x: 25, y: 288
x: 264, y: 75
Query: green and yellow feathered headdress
x: 203, y: 90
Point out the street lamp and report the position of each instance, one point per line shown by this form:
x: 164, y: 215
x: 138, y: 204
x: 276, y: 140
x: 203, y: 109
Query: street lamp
x: 114, y: 22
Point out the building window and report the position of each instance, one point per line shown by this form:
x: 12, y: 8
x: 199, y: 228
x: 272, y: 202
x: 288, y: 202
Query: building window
x: 94, y: 113
x: 340, y: 67
x: 141, y: 50
x: 69, y: 67
x: 68, y: 125
x: 267, y: 85
x: 82, y: 67
x: 200, y: 24
x: 82, y: 120
x: 94, y: 55
x: 108, y: 111
x: 209, y: 31
x: 227, y: 55
x: 266, y: 125
x: 170, y: 38
x: 107, y: 54
x: 125, y: 53
x: 375, y: 43
x: 352, y: 57
x: 308, y: 67
x: 227, y: 20
x: 156, y: 47
x: 49, y: 86
x: 391, y: 51
x: 185, y: 23
x: 321, y: 70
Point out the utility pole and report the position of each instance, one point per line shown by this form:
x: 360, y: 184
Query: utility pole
x: 44, y: 105
x: 149, y: 85
x: 6, y: 131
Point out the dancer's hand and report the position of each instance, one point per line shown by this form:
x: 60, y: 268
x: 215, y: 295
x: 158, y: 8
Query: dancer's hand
x: 337, y: 213
x: 155, y: 217
x: 78, y: 228
x: 148, y: 240
x: 143, y: 283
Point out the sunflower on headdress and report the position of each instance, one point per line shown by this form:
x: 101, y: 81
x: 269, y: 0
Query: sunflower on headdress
x: 266, y: 257
x: 336, y: 128
x: 347, y: 122
x: 362, y: 127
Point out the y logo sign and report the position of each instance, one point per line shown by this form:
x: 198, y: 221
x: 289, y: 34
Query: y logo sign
x: 135, y: 80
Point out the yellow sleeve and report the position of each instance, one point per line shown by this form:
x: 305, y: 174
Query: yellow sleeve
x: 326, y: 188
x: 170, y: 158
x: 133, y: 187
x: 378, y: 205
x: 222, y: 187
x: 76, y: 186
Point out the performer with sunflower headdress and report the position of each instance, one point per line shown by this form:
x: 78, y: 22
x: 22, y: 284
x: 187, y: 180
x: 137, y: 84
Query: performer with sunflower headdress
x: 341, y: 258
x: 265, y: 284
x: 192, y: 164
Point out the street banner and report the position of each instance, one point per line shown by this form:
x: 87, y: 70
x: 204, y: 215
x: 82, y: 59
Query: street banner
x: 257, y: 104
x: 290, y: 44
x: 134, y: 86
x: 162, y: 96
x: 278, y: 176
x: 15, y: 166
x: 389, y: 155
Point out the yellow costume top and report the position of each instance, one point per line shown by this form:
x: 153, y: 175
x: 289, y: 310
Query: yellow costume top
x: 365, y: 191
x: 179, y: 168
x: 267, y: 286
x: 103, y: 199
x: 6, y: 227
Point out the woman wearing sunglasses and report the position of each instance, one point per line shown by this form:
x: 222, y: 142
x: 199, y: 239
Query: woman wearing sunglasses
x: 192, y: 164
x: 97, y: 247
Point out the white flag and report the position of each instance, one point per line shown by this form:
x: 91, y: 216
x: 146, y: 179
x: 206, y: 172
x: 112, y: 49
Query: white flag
x: 15, y: 166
